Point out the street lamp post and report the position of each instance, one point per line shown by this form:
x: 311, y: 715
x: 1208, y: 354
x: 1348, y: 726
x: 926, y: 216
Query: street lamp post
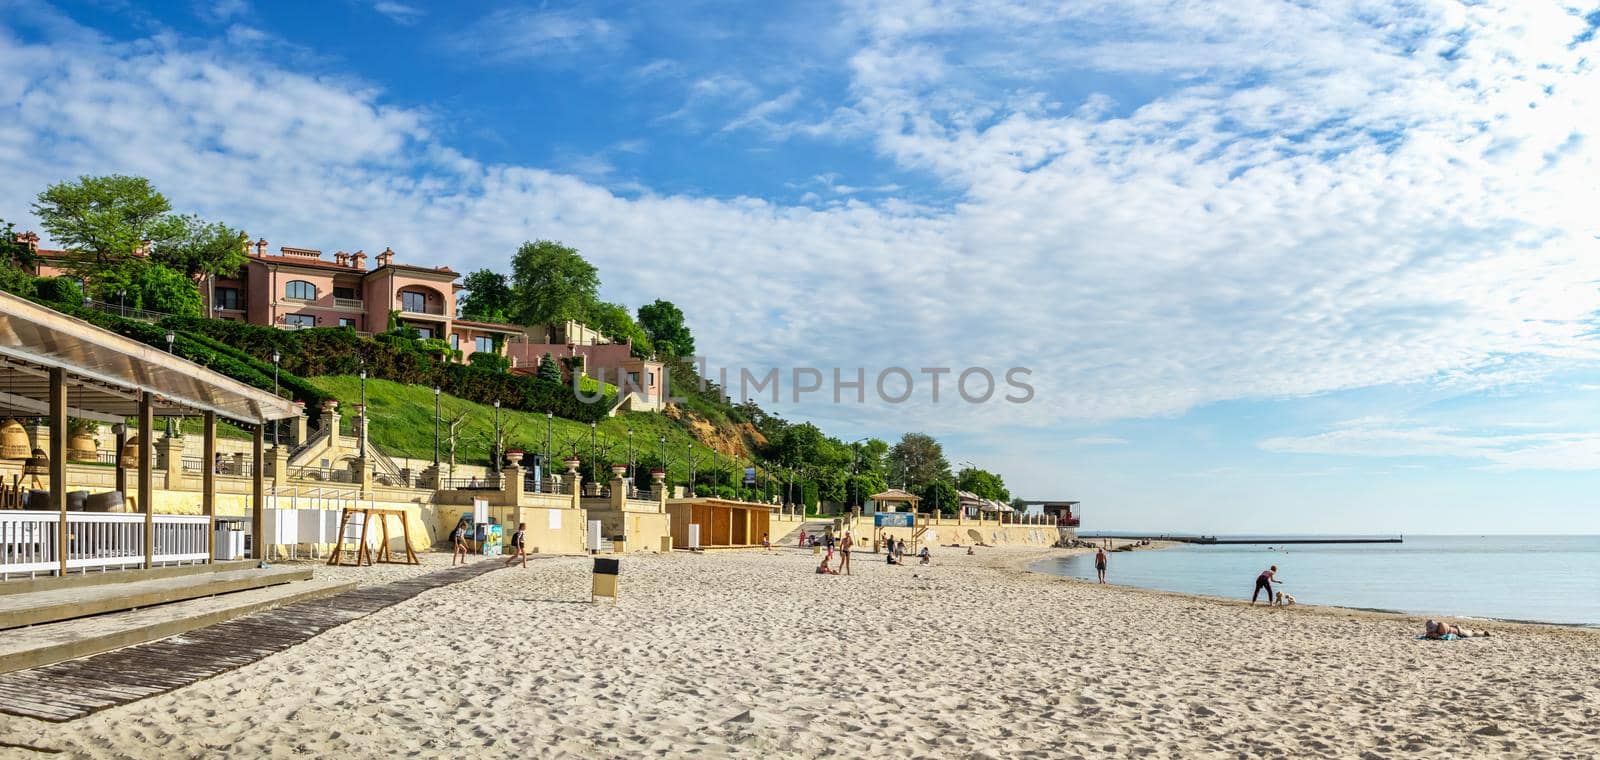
x: 549, y: 426
x: 691, y: 468
x: 171, y: 336
x: 437, y: 413
x: 665, y: 470
x: 276, y: 357
x: 362, y: 440
x: 494, y: 448
x: 594, y: 472
x: 630, y: 455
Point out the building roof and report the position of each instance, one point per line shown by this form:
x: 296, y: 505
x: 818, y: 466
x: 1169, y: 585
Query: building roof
x: 491, y: 326
x: 712, y: 501
x: 309, y: 263
x: 107, y: 373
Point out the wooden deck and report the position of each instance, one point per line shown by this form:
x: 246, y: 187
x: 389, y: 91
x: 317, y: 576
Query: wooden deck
x: 39, y: 607
x: 70, y: 690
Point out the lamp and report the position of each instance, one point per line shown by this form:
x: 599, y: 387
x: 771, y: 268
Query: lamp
x: 13, y: 440
x: 38, y: 464
x: 130, y: 453
x: 170, y: 337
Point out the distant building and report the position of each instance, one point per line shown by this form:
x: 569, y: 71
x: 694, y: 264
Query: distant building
x: 297, y: 288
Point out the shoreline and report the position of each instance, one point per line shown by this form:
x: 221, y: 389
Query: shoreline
x: 1026, y: 565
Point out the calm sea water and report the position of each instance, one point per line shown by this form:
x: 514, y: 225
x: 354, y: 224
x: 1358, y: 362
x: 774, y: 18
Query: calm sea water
x: 1553, y: 579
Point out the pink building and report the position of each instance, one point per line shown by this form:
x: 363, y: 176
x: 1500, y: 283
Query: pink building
x: 610, y: 362
x: 297, y: 288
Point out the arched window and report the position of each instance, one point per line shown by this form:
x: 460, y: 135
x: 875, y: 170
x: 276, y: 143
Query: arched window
x: 301, y: 290
x: 414, y: 301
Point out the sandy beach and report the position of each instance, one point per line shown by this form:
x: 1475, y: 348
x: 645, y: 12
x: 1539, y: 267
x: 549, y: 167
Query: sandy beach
x: 750, y: 654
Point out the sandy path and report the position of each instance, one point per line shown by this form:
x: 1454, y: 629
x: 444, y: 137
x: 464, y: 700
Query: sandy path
x: 750, y: 654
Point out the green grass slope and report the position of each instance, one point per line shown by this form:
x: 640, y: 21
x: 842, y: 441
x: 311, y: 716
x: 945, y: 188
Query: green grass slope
x: 402, y: 425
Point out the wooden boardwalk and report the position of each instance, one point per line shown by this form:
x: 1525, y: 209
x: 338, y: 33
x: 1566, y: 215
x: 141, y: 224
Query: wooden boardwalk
x: 70, y: 690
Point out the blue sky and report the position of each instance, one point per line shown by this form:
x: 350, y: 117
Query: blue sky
x: 1274, y: 266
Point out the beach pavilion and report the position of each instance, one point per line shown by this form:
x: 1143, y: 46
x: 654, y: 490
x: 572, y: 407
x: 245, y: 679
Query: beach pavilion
x: 892, y: 499
x: 57, y: 367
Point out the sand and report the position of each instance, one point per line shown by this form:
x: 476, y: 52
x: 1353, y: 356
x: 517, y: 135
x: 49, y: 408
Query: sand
x: 749, y: 654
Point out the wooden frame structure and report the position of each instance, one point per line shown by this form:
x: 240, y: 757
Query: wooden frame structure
x: 364, y: 555
x: 724, y: 524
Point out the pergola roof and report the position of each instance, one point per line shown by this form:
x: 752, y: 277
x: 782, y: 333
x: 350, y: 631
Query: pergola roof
x: 895, y: 494
x: 107, y: 373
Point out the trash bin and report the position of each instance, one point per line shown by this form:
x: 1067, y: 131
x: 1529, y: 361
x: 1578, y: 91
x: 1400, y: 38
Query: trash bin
x: 229, y: 538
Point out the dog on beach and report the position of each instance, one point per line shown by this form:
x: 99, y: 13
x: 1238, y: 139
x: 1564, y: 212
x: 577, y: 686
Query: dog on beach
x: 1283, y: 600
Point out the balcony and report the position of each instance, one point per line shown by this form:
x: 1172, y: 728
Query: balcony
x: 349, y: 303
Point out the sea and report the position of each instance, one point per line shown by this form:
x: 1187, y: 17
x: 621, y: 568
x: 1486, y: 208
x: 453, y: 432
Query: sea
x: 1546, y: 579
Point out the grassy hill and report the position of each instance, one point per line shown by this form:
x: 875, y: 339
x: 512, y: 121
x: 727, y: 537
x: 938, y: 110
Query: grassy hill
x: 402, y: 425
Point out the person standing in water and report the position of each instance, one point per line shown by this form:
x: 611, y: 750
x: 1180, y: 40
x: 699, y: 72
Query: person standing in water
x: 1100, y: 564
x: 1264, y: 582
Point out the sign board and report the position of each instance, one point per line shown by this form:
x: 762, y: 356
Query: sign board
x: 894, y: 519
x: 594, y: 536
x: 605, y: 578
x: 694, y: 535
x: 749, y: 476
x: 555, y: 519
x: 480, y: 511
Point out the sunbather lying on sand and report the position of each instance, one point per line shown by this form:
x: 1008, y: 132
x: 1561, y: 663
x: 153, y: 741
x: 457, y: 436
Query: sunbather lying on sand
x: 1438, y: 629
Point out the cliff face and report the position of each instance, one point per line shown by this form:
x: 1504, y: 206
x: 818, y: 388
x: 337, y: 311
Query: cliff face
x: 737, y: 439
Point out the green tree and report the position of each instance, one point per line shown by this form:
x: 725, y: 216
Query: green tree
x: 918, y: 460
x: 145, y: 285
x: 16, y: 262
x: 664, y: 323
x: 549, y: 371
x: 985, y: 484
x: 202, y: 249
x: 488, y: 297
x: 938, y: 495
x: 104, y: 221
x: 614, y: 322
x: 552, y: 284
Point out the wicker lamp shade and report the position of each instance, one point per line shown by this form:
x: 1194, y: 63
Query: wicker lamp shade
x: 38, y: 464
x: 14, y: 441
x: 130, y: 453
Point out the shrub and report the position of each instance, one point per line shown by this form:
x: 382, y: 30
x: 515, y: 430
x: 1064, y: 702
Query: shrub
x: 490, y: 361
x: 63, y: 290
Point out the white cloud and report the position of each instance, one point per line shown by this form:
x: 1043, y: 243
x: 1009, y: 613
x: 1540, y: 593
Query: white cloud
x: 1310, y: 200
x: 561, y: 37
x: 1498, y: 449
x: 1099, y: 440
x: 400, y: 13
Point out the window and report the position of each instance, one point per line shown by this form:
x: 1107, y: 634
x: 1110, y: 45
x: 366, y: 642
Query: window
x: 228, y: 298
x: 425, y: 332
x: 483, y: 343
x: 349, y: 293
x: 300, y: 320
x: 455, y: 341
x: 413, y: 301
x: 349, y: 322
x: 300, y: 289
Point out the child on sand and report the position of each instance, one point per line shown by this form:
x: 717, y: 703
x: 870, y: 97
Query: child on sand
x: 765, y: 542
x: 517, y: 540
x: 459, y: 538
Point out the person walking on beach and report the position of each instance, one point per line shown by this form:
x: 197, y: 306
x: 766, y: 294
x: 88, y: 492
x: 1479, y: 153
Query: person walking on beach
x: 844, y: 553
x: 1100, y: 564
x: 459, y: 538
x: 1264, y: 582
x: 518, y: 540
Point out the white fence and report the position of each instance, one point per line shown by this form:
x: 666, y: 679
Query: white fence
x: 96, y: 541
